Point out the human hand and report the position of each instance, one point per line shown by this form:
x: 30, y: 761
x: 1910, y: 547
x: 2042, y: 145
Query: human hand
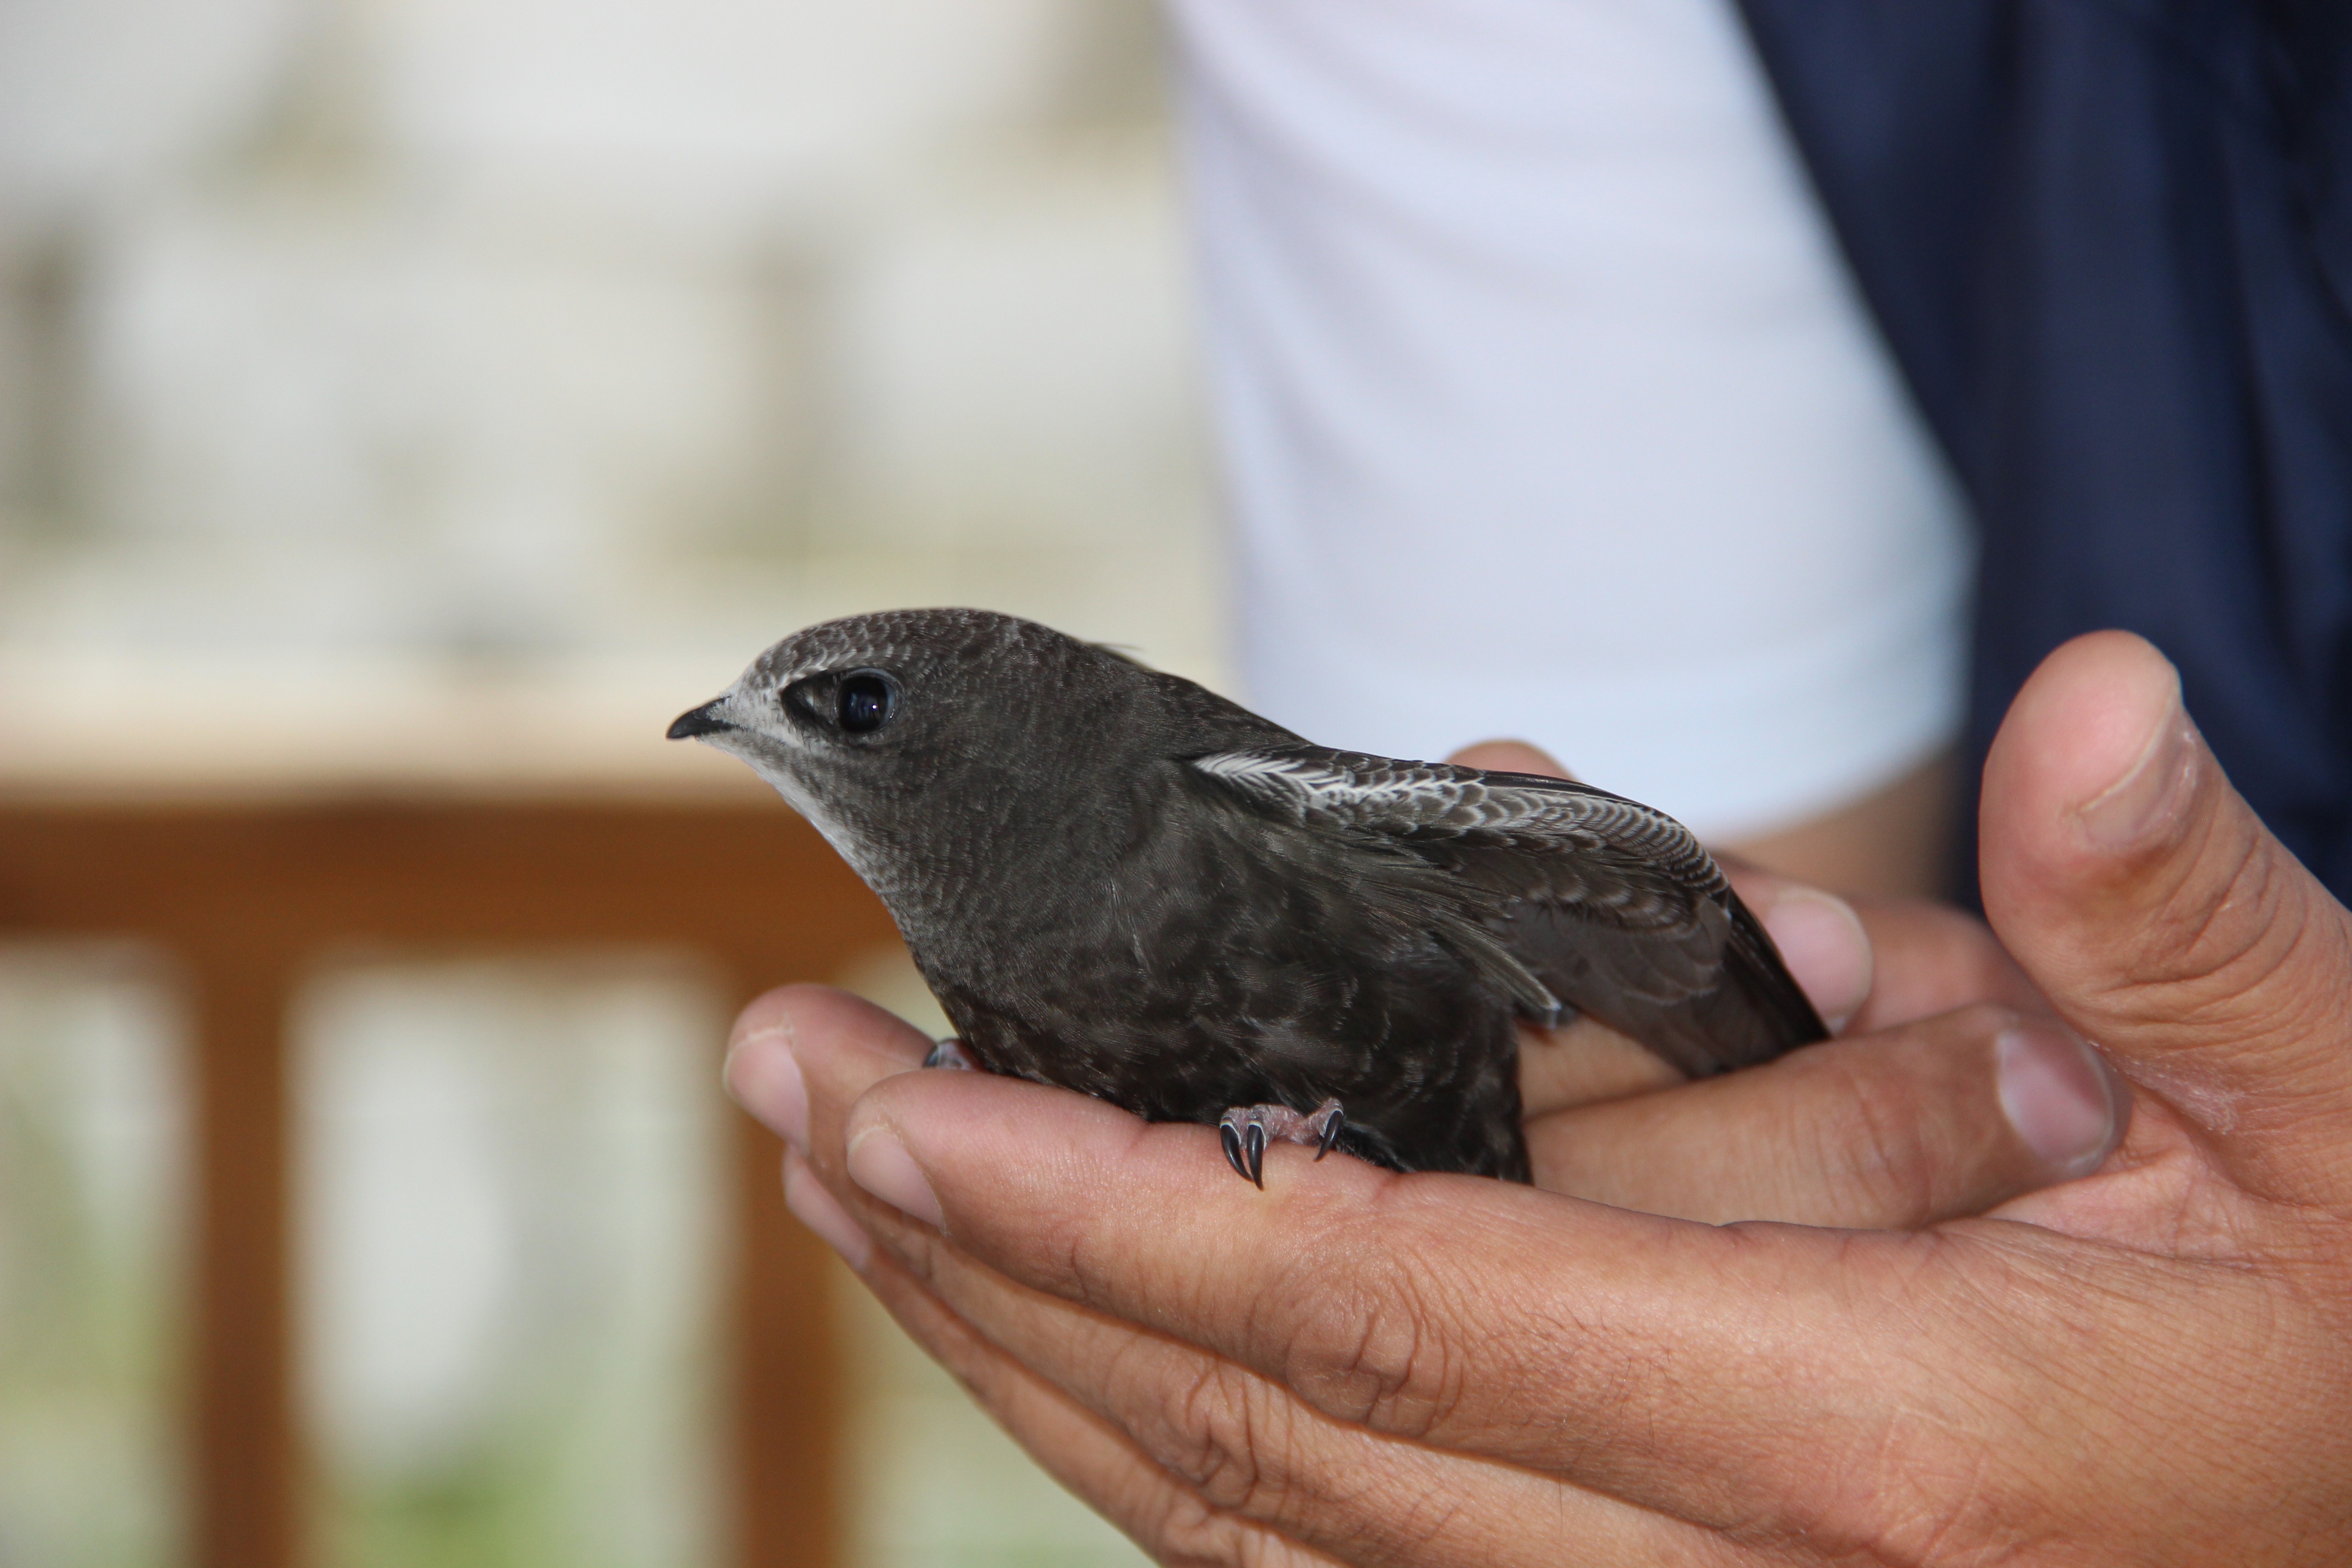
x: 1910, y: 1118
x: 2147, y: 1365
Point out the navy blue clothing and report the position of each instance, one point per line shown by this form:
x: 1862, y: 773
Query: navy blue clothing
x: 2110, y: 244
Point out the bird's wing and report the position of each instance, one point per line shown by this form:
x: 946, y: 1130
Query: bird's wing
x: 1597, y: 900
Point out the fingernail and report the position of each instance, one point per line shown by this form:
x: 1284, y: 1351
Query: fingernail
x: 822, y: 1213
x: 2151, y: 795
x: 1823, y: 942
x: 2057, y: 1094
x: 765, y: 1080
x: 880, y: 1164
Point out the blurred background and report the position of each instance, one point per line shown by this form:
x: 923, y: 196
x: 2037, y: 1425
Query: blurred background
x: 425, y: 399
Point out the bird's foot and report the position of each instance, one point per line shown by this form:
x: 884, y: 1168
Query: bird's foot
x: 1246, y: 1130
x: 950, y: 1053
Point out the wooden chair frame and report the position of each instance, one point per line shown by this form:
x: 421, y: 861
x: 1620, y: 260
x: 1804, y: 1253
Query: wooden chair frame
x: 246, y: 898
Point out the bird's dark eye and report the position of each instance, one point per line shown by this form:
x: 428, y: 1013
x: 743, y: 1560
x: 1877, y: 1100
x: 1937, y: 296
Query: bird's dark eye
x: 866, y: 703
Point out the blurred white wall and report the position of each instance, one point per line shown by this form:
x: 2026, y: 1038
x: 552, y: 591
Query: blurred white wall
x: 356, y: 354
x: 413, y: 328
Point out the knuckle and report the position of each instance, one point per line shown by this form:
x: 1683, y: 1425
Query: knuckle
x: 1218, y: 1430
x: 1914, y: 1130
x: 1877, y: 1146
x: 1189, y: 1532
x: 2243, y: 913
x: 1948, y: 1506
x: 1222, y: 1438
x: 1243, y: 1453
x: 1188, y: 1525
x: 918, y: 1249
x: 1380, y: 1353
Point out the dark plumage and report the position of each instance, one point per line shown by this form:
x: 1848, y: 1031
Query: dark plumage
x: 1117, y: 882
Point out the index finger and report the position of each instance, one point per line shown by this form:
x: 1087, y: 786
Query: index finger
x: 1680, y: 1366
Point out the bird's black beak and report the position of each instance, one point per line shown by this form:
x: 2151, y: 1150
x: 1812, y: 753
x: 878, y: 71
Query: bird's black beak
x: 699, y: 722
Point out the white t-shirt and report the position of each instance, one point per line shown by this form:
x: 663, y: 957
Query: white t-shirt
x: 1548, y: 409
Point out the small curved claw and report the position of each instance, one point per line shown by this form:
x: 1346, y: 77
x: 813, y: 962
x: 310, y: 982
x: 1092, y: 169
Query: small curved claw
x: 1244, y: 1131
x: 1230, y: 1136
x: 1334, y: 1118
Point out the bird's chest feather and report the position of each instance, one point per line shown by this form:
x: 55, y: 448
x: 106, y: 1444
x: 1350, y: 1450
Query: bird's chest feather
x: 1200, y: 966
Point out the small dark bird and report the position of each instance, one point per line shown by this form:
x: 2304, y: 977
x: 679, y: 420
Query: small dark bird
x: 1120, y: 882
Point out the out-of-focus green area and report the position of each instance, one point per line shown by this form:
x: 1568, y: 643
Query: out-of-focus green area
x: 510, y: 1243
x: 89, y: 1140
x: 512, y: 1219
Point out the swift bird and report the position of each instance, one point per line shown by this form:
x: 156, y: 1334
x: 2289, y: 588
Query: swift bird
x: 1117, y: 881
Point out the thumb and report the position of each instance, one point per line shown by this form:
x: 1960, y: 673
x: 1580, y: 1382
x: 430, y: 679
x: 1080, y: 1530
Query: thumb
x: 2162, y: 918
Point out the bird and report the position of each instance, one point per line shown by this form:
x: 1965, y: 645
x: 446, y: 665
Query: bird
x: 1117, y: 881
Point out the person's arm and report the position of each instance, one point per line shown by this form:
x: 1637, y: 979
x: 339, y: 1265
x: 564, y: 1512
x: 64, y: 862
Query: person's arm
x: 2147, y: 1364
x: 1896, y: 841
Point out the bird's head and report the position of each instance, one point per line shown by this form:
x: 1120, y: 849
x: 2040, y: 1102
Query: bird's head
x: 896, y: 733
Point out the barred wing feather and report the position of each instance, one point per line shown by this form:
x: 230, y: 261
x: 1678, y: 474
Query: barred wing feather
x: 1602, y: 901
